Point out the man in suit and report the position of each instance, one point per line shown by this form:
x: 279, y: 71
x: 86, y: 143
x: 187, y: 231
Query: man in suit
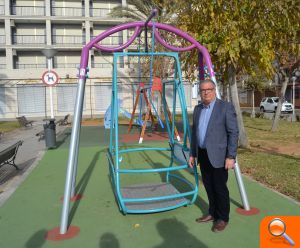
x: 214, y: 143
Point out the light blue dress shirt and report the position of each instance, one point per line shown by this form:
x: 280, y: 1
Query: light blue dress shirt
x: 203, y: 123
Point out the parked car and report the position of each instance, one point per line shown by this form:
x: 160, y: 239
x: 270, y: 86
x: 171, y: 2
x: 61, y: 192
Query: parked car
x: 270, y: 104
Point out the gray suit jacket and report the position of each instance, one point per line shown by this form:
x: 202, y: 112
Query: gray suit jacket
x: 221, y: 135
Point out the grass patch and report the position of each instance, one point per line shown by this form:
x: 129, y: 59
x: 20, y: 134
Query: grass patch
x: 92, y: 119
x: 259, y: 129
x: 7, y: 126
x: 280, y: 172
x: 272, y: 168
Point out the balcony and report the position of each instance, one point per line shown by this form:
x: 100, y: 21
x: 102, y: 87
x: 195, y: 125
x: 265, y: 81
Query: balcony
x: 112, y: 40
x: 101, y: 65
x: 29, y: 39
x: 66, y: 65
x: 2, y: 9
x: 67, y: 11
x: 2, y: 39
x: 68, y: 40
x: 99, y: 12
x: 28, y: 10
x: 30, y: 66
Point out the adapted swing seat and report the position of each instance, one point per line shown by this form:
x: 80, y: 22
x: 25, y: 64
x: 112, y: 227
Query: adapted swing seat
x: 163, y: 195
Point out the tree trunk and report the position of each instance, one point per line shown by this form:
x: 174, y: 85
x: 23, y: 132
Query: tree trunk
x: 228, y: 93
x: 253, y: 107
x: 224, y: 93
x: 243, y: 140
x: 278, y: 110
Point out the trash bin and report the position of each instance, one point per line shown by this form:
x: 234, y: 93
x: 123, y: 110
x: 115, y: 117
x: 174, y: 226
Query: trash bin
x: 50, y: 133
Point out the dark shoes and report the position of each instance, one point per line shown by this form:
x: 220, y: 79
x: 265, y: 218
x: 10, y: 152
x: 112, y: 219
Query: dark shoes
x: 219, y: 226
x: 205, y: 219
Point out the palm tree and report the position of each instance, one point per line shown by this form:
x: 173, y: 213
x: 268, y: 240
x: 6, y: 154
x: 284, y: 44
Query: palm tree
x: 136, y: 10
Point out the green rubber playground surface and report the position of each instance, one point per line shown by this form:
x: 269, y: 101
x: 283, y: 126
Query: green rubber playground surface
x: 35, y: 207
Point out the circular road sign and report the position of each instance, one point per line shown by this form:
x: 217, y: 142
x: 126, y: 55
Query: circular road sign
x: 50, y: 78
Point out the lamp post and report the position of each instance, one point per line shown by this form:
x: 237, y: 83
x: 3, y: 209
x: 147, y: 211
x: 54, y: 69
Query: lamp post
x: 49, y: 53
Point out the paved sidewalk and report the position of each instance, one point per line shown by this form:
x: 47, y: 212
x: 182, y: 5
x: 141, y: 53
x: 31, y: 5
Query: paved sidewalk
x: 28, y: 155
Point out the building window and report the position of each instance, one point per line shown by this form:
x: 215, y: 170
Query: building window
x: 66, y: 96
x: 31, y: 99
x: 102, y: 96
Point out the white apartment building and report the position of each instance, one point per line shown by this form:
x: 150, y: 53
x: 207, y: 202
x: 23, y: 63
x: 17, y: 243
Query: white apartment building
x: 27, y: 27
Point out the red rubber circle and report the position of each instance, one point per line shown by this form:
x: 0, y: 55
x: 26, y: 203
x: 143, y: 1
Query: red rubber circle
x: 252, y: 211
x: 54, y: 234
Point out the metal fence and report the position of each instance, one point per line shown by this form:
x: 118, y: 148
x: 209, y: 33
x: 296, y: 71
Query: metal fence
x: 28, y: 10
x: 28, y: 39
x: 33, y: 100
x: 67, y: 11
x: 68, y: 39
x: 99, y: 12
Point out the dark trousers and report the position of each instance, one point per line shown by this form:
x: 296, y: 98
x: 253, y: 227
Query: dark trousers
x: 214, y: 180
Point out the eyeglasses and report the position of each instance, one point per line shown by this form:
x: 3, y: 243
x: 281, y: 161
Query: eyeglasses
x: 206, y: 90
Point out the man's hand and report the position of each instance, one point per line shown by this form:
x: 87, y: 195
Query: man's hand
x: 229, y: 163
x: 192, y: 162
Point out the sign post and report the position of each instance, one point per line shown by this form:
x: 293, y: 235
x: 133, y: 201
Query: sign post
x: 50, y: 77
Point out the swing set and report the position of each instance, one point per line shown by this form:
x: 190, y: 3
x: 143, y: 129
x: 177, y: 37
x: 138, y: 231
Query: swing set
x: 146, y: 95
x: 155, y: 197
x: 142, y: 96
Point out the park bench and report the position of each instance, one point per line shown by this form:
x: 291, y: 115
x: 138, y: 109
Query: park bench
x: 24, y: 122
x: 64, y: 121
x: 8, y: 155
x: 40, y: 134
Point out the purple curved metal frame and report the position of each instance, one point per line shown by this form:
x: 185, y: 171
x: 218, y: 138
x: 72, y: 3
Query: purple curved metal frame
x: 138, y: 26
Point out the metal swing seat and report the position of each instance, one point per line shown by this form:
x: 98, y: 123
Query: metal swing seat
x: 163, y: 195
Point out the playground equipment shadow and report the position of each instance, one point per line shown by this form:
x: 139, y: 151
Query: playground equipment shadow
x: 35, y: 207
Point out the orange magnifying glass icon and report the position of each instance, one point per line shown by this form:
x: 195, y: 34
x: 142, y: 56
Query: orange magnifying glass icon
x: 277, y: 228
